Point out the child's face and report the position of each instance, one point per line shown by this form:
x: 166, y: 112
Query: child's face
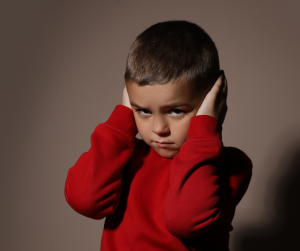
x: 157, y: 116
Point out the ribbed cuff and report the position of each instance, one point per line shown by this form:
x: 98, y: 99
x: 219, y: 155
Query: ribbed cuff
x: 122, y: 118
x: 204, y: 126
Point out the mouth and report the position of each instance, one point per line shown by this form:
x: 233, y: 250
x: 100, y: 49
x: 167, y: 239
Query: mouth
x: 163, y: 144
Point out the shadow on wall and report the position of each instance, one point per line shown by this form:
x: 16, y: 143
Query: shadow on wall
x: 283, y: 231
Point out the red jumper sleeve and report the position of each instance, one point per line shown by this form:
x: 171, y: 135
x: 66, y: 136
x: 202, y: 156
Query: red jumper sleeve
x: 93, y: 185
x: 199, y: 198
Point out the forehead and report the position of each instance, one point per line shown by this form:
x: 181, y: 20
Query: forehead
x: 160, y: 95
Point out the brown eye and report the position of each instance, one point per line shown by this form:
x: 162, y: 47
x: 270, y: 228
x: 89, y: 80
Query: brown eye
x: 177, y: 112
x: 143, y: 112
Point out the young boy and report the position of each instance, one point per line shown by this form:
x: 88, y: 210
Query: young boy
x: 176, y: 188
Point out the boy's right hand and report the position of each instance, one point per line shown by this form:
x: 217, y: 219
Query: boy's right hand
x: 125, y: 98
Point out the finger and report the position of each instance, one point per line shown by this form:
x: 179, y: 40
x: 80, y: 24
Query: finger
x: 217, y: 88
x: 226, y: 88
x: 219, y: 82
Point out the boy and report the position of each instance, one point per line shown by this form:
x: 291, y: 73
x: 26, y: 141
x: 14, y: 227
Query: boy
x: 176, y: 188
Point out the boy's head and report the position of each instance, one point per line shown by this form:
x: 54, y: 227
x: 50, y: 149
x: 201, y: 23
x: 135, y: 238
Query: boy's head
x: 170, y: 62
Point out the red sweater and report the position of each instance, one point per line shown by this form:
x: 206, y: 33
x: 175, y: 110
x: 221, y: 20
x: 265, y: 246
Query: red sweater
x: 154, y: 203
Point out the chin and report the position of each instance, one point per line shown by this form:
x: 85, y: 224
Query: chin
x: 169, y: 154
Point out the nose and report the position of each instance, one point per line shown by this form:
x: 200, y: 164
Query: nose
x: 160, y: 127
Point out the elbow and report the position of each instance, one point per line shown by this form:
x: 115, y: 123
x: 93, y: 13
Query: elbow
x: 89, y: 207
x: 187, y: 226
x: 81, y: 205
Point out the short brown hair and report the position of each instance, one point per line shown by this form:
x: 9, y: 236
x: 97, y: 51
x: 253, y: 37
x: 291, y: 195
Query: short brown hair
x: 171, y: 51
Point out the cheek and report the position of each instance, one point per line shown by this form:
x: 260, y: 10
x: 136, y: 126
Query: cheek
x: 180, y: 132
x: 142, y: 127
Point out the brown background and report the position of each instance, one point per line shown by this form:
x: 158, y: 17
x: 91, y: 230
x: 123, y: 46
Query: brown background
x: 62, y: 66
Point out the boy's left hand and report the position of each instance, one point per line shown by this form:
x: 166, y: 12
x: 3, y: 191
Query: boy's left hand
x: 214, y: 103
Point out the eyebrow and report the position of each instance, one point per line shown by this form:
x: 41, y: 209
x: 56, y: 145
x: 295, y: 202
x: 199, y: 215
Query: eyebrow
x: 165, y: 106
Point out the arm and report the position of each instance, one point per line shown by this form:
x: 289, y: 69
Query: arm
x: 192, y: 203
x: 205, y: 184
x: 93, y: 185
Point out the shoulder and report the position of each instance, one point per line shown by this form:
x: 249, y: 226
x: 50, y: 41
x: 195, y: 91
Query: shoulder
x: 236, y: 160
x: 236, y: 173
x: 231, y: 152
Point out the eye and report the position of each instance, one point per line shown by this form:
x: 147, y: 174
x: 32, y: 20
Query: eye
x: 142, y: 112
x: 177, y: 112
x: 174, y: 112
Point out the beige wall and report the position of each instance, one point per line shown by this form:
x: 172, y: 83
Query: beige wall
x: 61, y: 74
